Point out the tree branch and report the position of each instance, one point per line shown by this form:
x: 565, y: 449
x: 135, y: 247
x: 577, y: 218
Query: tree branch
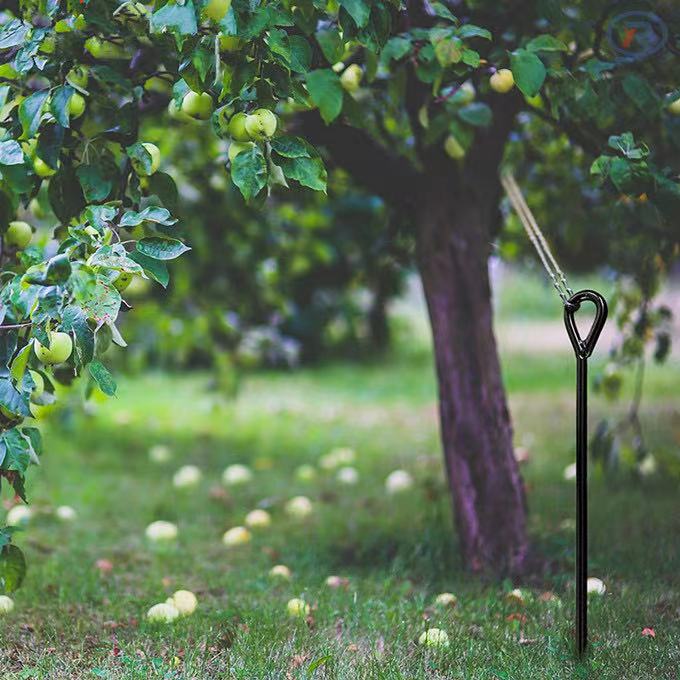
x: 381, y: 172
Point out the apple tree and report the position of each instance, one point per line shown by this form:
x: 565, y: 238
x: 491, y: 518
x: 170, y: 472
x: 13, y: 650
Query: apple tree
x: 416, y: 100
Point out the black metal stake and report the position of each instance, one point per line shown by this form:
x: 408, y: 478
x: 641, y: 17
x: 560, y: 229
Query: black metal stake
x: 583, y: 349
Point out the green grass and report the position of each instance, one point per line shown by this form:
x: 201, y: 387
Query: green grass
x: 397, y: 552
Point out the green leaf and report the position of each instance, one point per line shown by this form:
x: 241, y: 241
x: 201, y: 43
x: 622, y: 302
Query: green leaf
x: 471, y: 31
x: 477, y: 114
x: 443, y: 12
x: 96, y: 186
x: 49, y: 144
x: 447, y: 49
x: 331, y: 44
x: 18, y: 451
x: 292, y: 147
x: 30, y: 112
x: 11, y: 153
x: 20, y: 363
x: 300, y: 54
x: 99, y: 301
x: 528, y: 71
x: 546, y: 43
x: 396, y: 48
x: 162, y: 248
x: 156, y: 269
x: 249, y: 172
x: 65, y: 194
x: 137, y: 152
x: 13, y: 33
x: 103, y: 378
x: 309, y: 172
x: 74, y: 320
x: 471, y: 58
x: 12, y: 400
x: 59, y: 104
x: 12, y: 568
x: 163, y: 185
x: 358, y: 10
x: 326, y: 93
x: 180, y: 19
x: 6, y: 533
x: 153, y: 213
x: 642, y: 94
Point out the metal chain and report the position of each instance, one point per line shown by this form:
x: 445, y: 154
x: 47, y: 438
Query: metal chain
x: 536, y: 236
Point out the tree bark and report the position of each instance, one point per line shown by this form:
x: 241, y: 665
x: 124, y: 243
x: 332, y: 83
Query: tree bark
x: 487, y: 491
x: 456, y: 222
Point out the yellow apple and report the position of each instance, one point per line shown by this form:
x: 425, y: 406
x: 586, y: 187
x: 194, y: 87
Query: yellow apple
x: 18, y: 234
x: 122, y: 281
x: 237, y: 127
x: 674, y: 107
x: 260, y: 124
x: 105, y: 49
x: 199, y: 106
x: 453, y: 148
x: 351, y: 78
x: 59, y: 350
x: 230, y: 43
x: 41, y: 168
x: 502, y: 81
x: 78, y: 76
x: 216, y: 9
x: 76, y: 105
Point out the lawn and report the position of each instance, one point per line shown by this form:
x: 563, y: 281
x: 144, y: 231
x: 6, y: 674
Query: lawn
x: 75, y: 619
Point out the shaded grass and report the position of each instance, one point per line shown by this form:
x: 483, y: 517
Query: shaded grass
x: 398, y: 552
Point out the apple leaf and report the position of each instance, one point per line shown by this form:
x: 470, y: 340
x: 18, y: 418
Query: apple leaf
x: 326, y: 92
x: 358, y: 10
x: 12, y: 568
x: 249, y: 172
x: 161, y: 248
x: 103, y: 378
x: 528, y: 71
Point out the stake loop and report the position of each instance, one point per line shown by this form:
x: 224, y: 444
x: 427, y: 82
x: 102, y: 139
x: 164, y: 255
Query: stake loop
x: 583, y: 349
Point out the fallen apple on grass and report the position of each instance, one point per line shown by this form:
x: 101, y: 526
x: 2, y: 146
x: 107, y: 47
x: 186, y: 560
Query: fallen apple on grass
x: 236, y: 474
x: 186, y: 476
x: 299, y: 507
x: 184, y: 601
x: 280, y: 571
x: 6, y: 604
x: 258, y: 519
x: 446, y: 600
x: 66, y: 513
x: 434, y: 637
x: 236, y: 536
x: 398, y: 481
x: 163, y: 612
x: 161, y: 530
x: 297, y: 608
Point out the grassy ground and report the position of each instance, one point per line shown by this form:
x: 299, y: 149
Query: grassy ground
x: 397, y: 552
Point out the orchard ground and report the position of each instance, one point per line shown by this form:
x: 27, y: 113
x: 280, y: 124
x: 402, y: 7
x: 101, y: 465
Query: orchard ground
x: 74, y: 619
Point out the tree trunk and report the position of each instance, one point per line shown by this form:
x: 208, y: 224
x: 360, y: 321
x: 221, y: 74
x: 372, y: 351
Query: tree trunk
x: 453, y: 239
x: 377, y: 318
x: 454, y: 207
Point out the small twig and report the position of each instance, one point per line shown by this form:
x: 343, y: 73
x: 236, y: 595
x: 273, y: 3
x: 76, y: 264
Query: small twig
x: 15, y: 326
